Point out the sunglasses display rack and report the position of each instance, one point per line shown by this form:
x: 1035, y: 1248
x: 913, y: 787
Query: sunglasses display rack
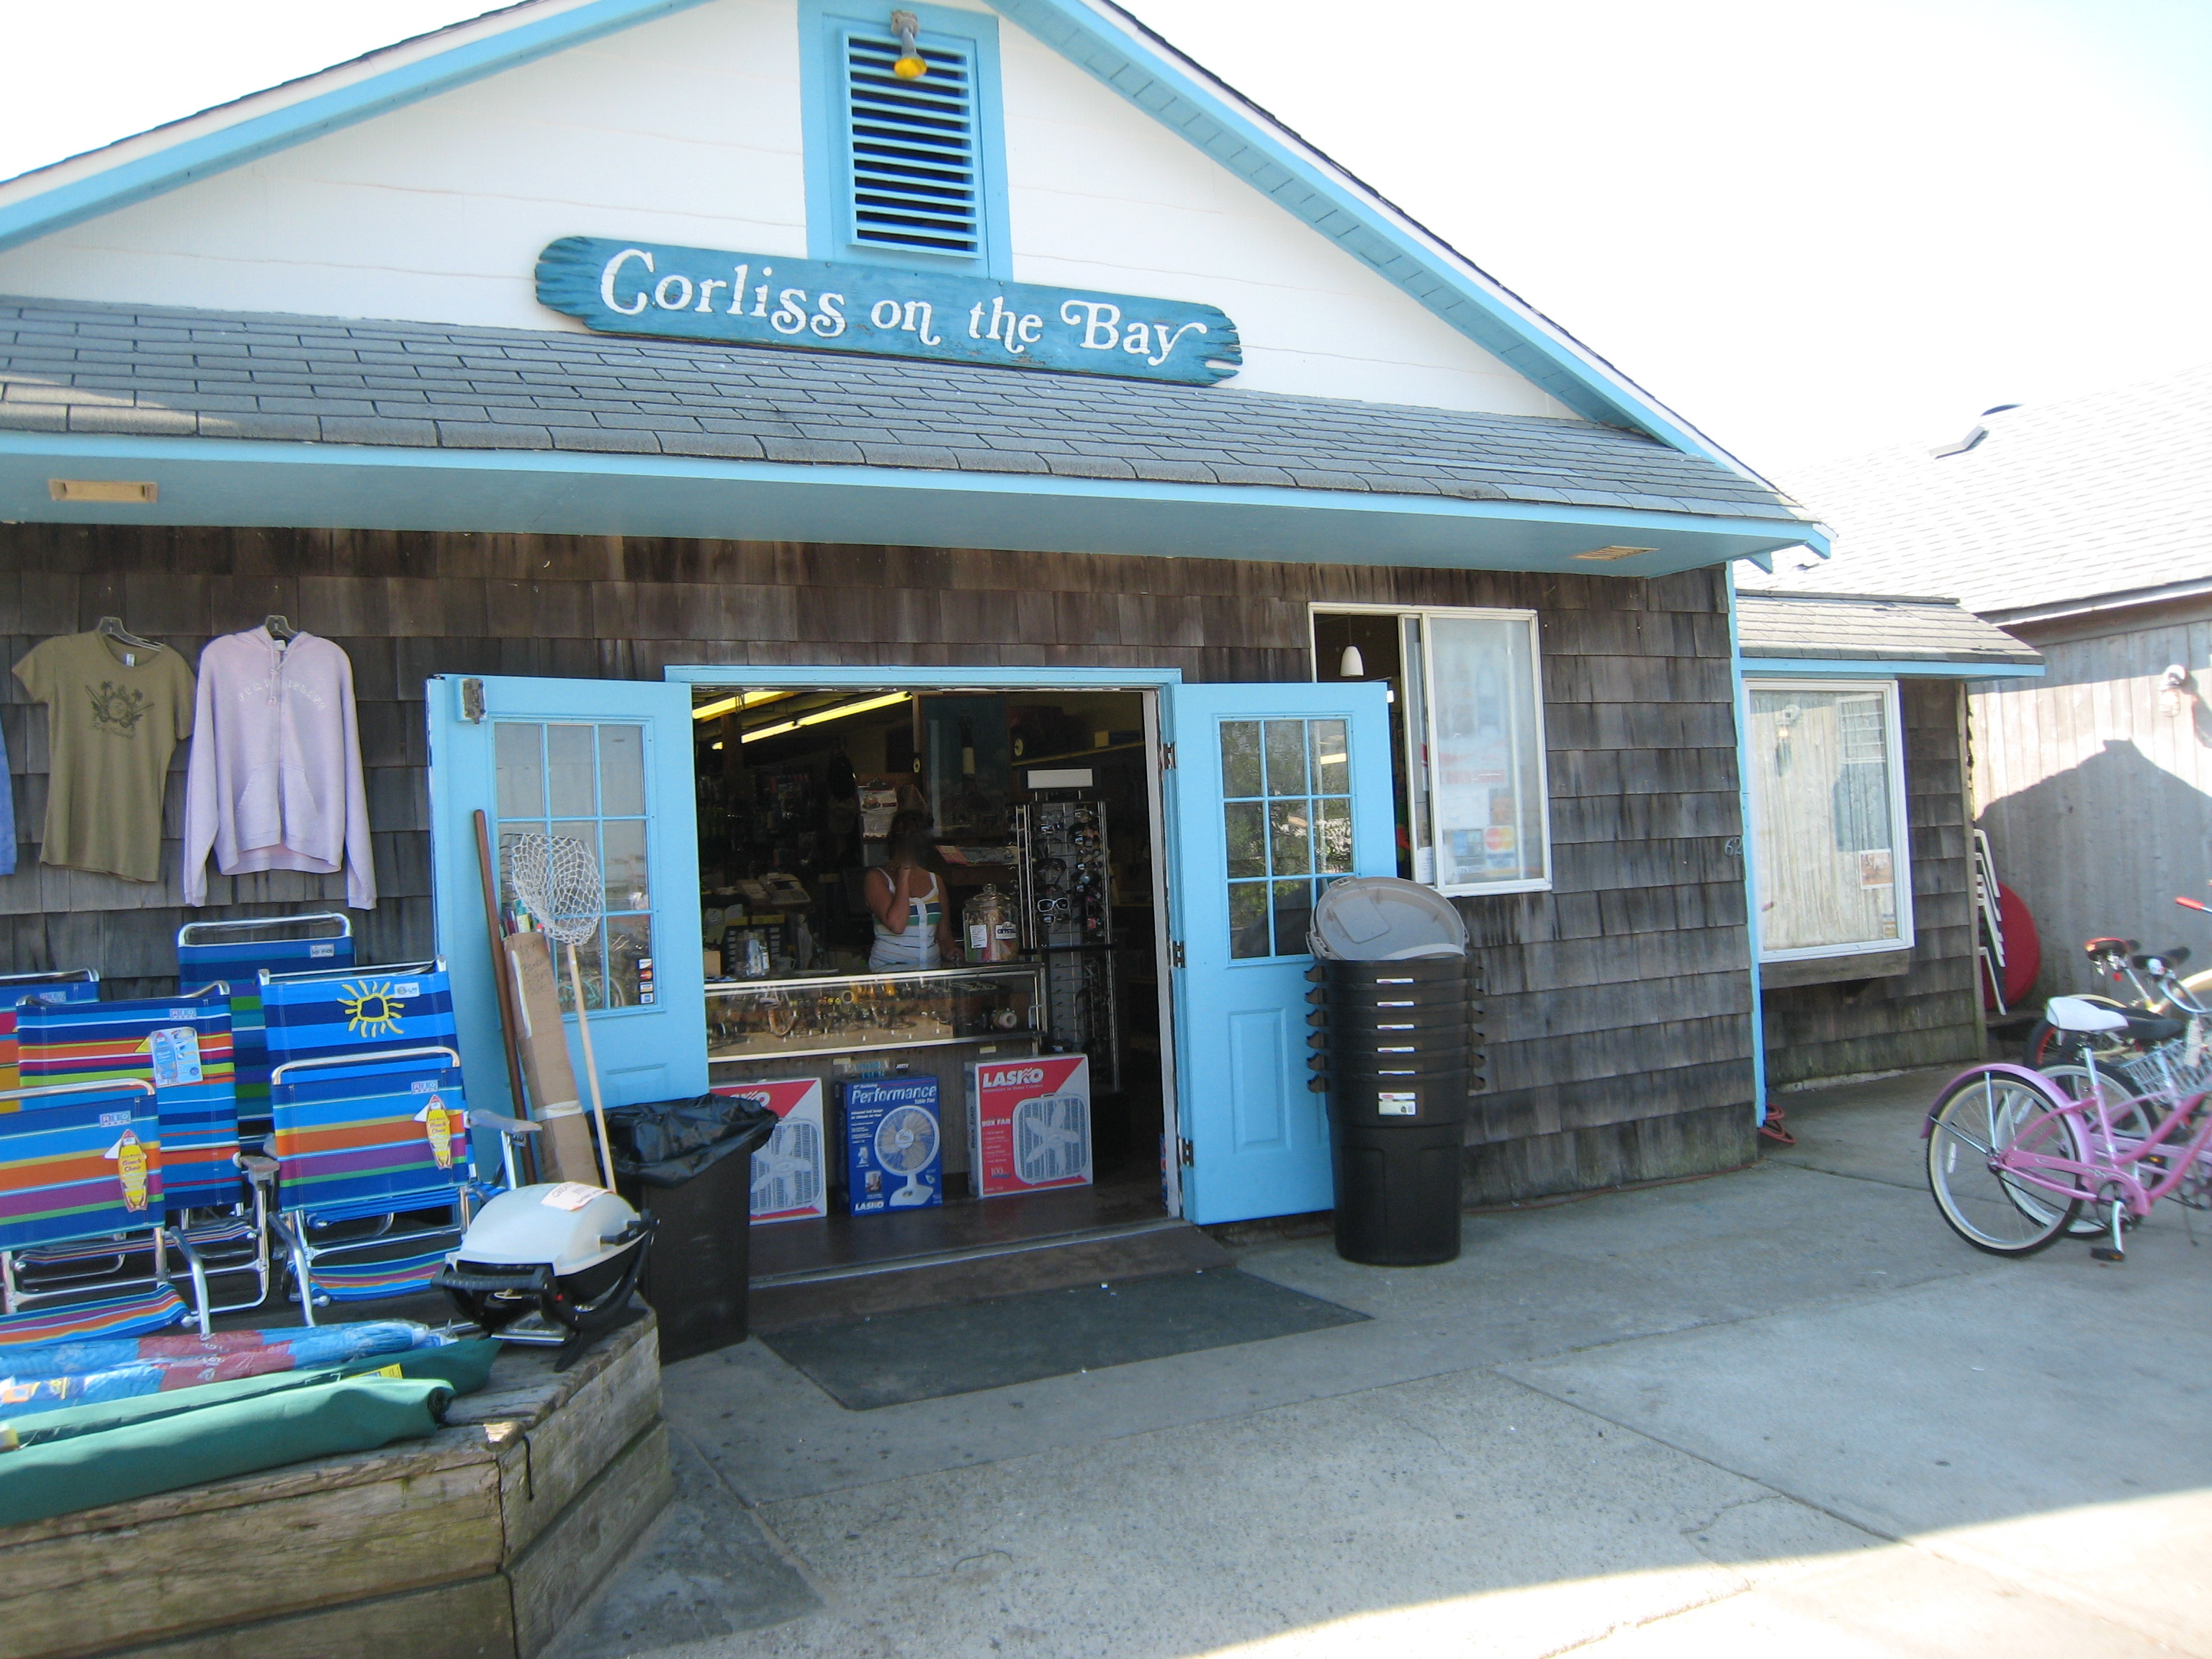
x: 1068, y: 921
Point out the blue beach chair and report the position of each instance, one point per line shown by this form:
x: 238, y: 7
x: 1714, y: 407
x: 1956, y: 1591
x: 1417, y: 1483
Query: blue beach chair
x: 69, y: 985
x: 236, y: 954
x: 375, y: 1179
x: 216, y: 1208
x: 80, y: 1198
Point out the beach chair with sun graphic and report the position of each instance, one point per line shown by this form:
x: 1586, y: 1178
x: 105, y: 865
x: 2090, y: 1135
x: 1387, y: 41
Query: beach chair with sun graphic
x: 215, y: 1197
x: 82, y: 1244
x: 376, y: 1177
x: 235, y: 953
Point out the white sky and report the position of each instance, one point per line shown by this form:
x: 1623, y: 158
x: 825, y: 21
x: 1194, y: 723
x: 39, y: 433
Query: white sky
x: 1812, y: 228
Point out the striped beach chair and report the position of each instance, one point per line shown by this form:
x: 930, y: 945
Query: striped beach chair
x: 181, y: 1047
x: 376, y: 1180
x: 236, y: 954
x: 81, y: 1207
x: 69, y: 985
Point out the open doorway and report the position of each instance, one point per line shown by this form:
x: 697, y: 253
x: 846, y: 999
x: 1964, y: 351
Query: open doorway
x: 948, y: 899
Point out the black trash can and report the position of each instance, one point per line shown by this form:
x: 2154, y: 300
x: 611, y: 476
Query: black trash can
x: 1398, y: 1054
x: 689, y: 1162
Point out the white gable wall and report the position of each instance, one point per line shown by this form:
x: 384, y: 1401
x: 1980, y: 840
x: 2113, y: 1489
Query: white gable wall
x: 687, y: 130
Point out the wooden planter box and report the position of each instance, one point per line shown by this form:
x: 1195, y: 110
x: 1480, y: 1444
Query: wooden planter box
x: 478, y: 1541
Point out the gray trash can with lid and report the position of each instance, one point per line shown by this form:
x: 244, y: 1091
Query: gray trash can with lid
x: 1398, y: 1054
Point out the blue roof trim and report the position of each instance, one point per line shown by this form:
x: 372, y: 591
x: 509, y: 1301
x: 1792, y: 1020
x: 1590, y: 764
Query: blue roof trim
x: 235, y: 480
x: 1251, y: 149
x: 928, y: 678
x: 180, y: 163
x: 1821, y: 668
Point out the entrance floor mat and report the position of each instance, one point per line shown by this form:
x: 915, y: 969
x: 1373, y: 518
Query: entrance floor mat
x: 930, y: 1353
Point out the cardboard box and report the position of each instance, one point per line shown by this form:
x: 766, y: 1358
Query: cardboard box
x: 567, y: 1149
x: 791, y: 1174
x: 1028, y: 1124
x: 903, y: 1168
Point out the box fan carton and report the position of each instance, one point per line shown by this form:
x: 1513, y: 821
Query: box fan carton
x: 791, y: 1174
x: 1028, y: 1124
x: 894, y: 1144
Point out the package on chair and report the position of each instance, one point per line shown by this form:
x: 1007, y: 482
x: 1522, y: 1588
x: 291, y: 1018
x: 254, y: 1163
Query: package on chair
x: 1028, y: 1124
x: 893, y: 1145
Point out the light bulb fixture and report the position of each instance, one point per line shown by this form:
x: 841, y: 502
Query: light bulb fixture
x: 1351, y: 665
x: 2174, y: 692
x: 910, y: 66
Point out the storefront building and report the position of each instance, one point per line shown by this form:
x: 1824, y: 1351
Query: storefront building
x: 710, y: 442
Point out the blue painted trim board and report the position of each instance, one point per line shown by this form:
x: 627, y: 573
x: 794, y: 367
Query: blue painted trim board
x: 1039, y: 679
x: 186, y: 159
x: 243, y: 482
x: 1750, y: 858
x: 1798, y: 668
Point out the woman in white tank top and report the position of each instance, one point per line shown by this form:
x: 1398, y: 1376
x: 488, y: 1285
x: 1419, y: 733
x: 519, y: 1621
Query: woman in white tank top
x: 908, y: 901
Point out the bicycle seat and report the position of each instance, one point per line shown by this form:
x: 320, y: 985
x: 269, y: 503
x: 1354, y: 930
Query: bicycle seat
x: 2111, y: 947
x: 2151, y: 1028
x: 2161, y: 961
x: 2082, y: 1014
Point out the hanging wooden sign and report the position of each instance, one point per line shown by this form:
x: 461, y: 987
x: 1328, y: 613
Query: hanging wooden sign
x: 764, y: 300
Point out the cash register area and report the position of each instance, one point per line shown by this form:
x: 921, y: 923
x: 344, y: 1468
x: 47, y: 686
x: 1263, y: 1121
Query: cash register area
x: 1011, y: 1092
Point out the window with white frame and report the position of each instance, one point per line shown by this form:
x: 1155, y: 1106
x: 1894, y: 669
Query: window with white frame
x: 1825, y: 761
x: 1468, y: 716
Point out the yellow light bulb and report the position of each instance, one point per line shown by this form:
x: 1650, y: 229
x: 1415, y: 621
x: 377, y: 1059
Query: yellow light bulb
x: 910, y: 67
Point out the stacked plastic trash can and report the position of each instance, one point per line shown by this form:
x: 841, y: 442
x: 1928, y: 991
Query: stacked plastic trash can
x: 1398, y: 1053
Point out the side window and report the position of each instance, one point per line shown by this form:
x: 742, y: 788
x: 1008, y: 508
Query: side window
x: 904, y: 168
x: 586, y: 781
x: 1827, y: 805
x: 1286, y: 806
x: 1467, y: 720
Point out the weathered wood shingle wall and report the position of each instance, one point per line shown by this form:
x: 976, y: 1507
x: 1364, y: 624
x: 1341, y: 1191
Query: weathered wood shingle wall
x: 1619, y: 1013
x: 1932, y: 1014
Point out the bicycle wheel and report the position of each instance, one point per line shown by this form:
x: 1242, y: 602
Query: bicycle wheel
x: 1983, y: 1114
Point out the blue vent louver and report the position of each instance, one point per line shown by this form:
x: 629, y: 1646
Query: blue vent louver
x: 914, y: 160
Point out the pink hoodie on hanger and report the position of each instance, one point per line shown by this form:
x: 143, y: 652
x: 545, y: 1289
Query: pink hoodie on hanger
x: 275, y: 778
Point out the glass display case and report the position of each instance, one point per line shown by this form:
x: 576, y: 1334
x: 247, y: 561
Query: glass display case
x: 845, y: 1013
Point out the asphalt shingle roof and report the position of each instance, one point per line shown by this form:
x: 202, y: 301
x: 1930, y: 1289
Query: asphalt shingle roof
x: 72, y: 367
x: 2071, y: 501
x: 1873, y: 628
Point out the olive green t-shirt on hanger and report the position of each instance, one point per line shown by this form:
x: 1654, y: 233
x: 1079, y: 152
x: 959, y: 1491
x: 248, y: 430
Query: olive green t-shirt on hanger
x: 115, y: 714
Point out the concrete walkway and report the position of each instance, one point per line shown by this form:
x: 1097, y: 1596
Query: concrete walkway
x: 1781, y: 1406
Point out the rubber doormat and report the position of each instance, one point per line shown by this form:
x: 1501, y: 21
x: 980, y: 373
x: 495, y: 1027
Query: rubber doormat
x: 892, y: 1358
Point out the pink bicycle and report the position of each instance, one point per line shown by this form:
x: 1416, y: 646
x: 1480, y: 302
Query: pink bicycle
x: 2012, y: 1160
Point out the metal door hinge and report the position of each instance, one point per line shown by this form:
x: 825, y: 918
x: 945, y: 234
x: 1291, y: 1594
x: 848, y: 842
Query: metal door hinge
x: 1167, y: 758
x: 472, y: 701
x: 1189, y: 1153
x: 1174, y: 953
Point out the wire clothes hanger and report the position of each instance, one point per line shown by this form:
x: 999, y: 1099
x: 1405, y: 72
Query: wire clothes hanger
x: 113, y: 628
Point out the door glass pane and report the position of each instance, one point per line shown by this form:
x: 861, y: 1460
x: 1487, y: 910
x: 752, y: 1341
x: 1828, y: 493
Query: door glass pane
x: 520, y: 748
x: 1830, y: 868
x: 622, y: 771
x: 624, y: 839
x: 1291, y: 837
x: 572, y: 771
x: 1240, y: 759
x: 1489, y: 770
x: 1286, y: 758
x: 1247, y: 839
x: 1332, y: 761
x: 629, y: 950
x: 1276, y: 844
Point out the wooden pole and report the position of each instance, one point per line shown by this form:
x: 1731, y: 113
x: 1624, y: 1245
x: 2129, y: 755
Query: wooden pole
x: 502, y: 979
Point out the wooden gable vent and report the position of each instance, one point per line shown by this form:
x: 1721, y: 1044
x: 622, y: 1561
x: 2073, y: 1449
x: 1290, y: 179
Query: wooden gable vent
x: 916, y: 165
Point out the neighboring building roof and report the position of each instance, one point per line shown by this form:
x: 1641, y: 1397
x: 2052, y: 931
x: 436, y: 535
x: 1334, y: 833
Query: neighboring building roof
x: 2073, y: 505
x: 1870, y: 628
x: 84, y: 368
x: 1099, y: 37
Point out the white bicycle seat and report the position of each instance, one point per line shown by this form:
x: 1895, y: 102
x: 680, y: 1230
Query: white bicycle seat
x: 2080, y: 1014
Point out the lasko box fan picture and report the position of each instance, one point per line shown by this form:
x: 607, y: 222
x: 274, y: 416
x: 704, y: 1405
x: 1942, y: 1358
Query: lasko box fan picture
x: 893, y: 1145
x: 1028, y: 1124
x: 791, y: 1174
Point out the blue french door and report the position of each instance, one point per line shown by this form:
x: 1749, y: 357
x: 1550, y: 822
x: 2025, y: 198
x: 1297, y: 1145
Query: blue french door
x: 1276, y: 790
x: 606, y: 762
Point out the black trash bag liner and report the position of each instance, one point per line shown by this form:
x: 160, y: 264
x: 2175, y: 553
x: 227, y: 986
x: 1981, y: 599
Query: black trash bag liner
x: 665, y: 1143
